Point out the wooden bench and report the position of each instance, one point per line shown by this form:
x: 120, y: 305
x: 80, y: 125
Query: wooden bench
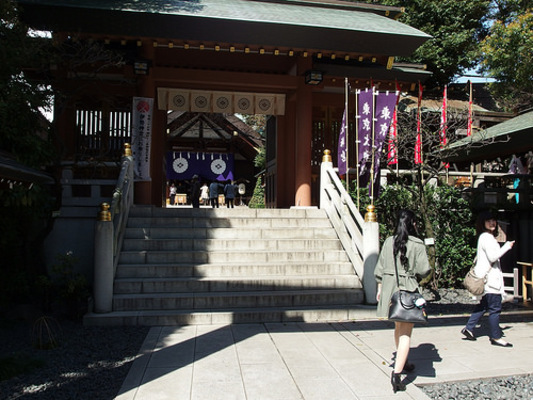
x: 527, y: 268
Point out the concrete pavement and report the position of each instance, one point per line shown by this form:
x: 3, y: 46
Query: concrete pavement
x: 317, y: 361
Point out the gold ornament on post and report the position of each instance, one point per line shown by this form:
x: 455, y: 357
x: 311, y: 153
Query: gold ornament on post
x: 127, y: 150
x: 370, y: 215
x: 327, y: 156
x: 104, y: 214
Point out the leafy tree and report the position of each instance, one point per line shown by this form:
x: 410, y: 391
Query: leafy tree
x: 21, y: 97
x: 507, y: 55
x: 457, y: 26
x: 24, y: 209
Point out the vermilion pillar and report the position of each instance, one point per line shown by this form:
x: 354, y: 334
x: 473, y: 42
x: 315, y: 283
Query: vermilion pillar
x: 303, y: 138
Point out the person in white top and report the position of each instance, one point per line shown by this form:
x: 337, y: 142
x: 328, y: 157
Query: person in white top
x: 487, y: 265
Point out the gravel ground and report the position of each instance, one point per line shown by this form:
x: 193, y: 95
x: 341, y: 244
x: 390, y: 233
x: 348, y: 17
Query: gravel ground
x: 91, y: 363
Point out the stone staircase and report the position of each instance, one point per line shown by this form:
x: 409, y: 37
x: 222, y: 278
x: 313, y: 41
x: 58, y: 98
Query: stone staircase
x: 208, y: 266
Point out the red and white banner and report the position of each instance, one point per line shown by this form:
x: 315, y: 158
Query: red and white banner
x: 469, y: 126
x: 392, y: 155
x: 141, y: 136
x: 444, y: 121
x: 418, y: 144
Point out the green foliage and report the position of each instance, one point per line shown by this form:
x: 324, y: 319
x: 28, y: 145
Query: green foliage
x: 451, y: 222
x: 508, y: 57
x: 260, y: 159
x: 69, y: 283
x: 18, y: 364
x: 258, y: 198
x: 456, y: 27
x: 24, y: 210
x: 64, y: 286
x: 22, y: 92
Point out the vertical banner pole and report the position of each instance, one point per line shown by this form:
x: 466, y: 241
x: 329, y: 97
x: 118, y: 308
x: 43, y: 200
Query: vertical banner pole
x: 357, y: 141
x: 373, y: 148
x: 347, y: 135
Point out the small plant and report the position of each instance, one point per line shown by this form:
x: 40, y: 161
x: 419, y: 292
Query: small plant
x: 64, y: 286
x: 17, y: 364
x: 71, y: 285
x: 258, y: 197
x: 45, y: 333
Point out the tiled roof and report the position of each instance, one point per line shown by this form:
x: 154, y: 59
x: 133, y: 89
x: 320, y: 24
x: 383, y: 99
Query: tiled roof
x: 312, y: 14
x: 291, y: 23
x: 512, y: 136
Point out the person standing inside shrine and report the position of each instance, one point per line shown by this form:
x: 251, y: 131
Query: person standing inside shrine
x: 172, y: 194
x: 229, y: 194
x: 195, y: 192
x: 213, y: 193
x: 204, y: 194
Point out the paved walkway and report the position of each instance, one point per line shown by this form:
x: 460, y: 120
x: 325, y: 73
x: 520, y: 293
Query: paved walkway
x: 338, y: 361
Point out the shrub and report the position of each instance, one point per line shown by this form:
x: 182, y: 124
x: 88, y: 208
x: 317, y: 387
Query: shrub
x: 450, y: 219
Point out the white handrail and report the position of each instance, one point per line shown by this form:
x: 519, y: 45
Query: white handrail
x: 121, y: 204
x: 343, y: 214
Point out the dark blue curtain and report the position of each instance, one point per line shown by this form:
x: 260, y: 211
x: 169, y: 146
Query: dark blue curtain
x: 182, y: 165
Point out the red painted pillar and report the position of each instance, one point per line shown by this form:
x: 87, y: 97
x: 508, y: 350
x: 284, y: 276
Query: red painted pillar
x: 303, y: 140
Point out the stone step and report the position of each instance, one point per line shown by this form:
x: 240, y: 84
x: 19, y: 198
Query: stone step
x: 232, y: 269
x: 233, y: 284
x: 234, y: 300
x: 176, y: 232
x: 246, y: 245
x: 234, y: 222
x: 201, y: 257
x: 241, y: 212
x: 330, y: 313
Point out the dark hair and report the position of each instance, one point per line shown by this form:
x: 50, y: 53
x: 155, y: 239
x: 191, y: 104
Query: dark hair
x: 480, y: 222
x: 404, y: 227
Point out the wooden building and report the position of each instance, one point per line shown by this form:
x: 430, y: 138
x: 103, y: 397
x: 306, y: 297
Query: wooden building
x: 282, y: 58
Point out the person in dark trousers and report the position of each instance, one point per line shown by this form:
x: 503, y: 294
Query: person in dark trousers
x: 229, y: 194
x: 487, y: 265
x: 407, y: 252
x: 213, y: 193
x: 195, y: 192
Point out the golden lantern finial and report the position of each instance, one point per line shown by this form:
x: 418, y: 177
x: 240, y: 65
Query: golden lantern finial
x: 127, y: 150
x: 327, y: 156
x: 370, y: 215
x: 104, y: 214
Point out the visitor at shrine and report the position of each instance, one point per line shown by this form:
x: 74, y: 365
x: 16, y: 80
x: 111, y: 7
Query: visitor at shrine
x: 229, y: 194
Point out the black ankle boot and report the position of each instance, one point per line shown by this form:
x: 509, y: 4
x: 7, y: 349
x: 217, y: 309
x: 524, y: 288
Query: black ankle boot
x: 396, y: 381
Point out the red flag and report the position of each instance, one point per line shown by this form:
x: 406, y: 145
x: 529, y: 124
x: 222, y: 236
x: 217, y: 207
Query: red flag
x: 469, y: 127
x: 418, y: 144
x: 393, y: 155
x: 444, y: 121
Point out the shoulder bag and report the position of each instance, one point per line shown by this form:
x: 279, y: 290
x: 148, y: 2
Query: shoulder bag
x: 474, y: 284
x: 407, y: 306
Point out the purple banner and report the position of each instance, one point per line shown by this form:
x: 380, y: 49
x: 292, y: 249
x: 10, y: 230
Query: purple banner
x: 385, y: 103
x: 364, y: 132
x: 341, y: 151
x: 183, y: 165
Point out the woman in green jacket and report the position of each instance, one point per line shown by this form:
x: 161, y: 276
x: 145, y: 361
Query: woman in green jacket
x: 412, y: 261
